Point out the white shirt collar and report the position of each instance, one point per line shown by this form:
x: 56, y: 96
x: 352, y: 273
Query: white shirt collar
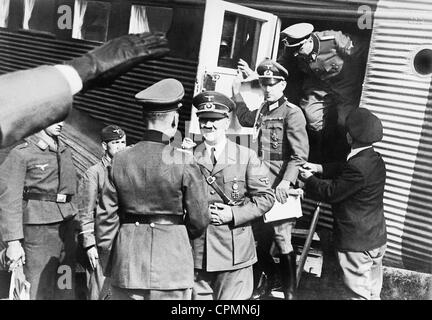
x: 218, y: 147
x: 356, y: 151
x: 274, y: 105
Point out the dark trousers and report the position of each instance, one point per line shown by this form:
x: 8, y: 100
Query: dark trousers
x: 50, y: 260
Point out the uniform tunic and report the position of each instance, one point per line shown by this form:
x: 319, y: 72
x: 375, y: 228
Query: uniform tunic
x: 331, y: 89
x: 91, y: 187
x: 282, y: 141
x: 151, y: 178
x: 46, y: 227
x: 35, y: 167
x: 241, y: 175
x: 282, y: 137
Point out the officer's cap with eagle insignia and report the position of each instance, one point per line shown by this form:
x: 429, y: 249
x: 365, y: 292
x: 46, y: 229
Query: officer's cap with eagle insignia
x: 112, y: 132
x: 212, y: 105
x: 163, y: 96
x: 271, y: 72
x: 295, y: 35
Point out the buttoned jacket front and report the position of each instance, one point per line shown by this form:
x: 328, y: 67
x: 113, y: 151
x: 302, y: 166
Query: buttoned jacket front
x: 244, y: 179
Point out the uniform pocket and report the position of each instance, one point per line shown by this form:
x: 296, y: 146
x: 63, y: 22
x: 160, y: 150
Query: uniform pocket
x: 243, y: 244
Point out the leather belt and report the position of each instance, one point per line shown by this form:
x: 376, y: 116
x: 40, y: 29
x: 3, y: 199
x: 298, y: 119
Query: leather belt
x: 272, y: 156
x: 168, y: 219
x: 52, y: 197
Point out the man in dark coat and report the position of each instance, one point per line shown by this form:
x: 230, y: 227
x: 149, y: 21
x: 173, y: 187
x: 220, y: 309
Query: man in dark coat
x: 238, y: 192
x: 282, y: 138
x: 38, y: 200
x: 154, y: 202
x: 356, y: 189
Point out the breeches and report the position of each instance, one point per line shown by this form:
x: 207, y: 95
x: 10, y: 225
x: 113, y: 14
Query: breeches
x: 223, y: 285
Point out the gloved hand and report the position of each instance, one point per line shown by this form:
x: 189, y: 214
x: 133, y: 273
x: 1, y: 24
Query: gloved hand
x: 118, y: 56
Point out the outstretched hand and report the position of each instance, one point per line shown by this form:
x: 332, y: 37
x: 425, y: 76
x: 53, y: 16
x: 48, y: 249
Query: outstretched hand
x: 119, y: 55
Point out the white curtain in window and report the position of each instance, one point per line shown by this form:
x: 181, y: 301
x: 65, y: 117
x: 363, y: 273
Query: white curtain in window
x: 28, y: 8
x: 78, y: 21
x: 4, y: 13
x: 138, y: 20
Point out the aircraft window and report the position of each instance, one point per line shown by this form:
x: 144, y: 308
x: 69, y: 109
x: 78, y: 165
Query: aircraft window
x: 91, y: 20
x: 240, y: 37
x: 4, y: 13
x: 423, y: 62
x: 39, y: 15
x: 149, y: 18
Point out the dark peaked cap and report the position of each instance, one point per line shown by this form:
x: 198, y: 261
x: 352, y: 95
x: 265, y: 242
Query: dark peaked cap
x: 212, y: 105
x: 271, y: 72
x: 163, y: 96
x: 363, y: 126
x: 112, y: 132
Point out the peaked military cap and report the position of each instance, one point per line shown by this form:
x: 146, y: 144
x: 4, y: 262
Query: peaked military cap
x: 295, y: 35
x: 363, y: 126
x: 163, y: 96
x: 212, y: 105
x: 112, y: 132
x: 271, y: 72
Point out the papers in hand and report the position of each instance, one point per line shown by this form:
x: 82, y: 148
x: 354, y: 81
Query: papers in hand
x: 290, y: 209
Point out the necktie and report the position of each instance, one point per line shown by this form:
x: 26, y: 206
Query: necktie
x: 213, y: 156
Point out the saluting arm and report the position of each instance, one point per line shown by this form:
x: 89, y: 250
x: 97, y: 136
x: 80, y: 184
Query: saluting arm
x: 32, y: 100
x: 245, y: 116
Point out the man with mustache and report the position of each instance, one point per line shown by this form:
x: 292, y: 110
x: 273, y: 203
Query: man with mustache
x: 238, y: 192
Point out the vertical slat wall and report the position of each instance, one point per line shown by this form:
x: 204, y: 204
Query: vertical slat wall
x: 401, y: 98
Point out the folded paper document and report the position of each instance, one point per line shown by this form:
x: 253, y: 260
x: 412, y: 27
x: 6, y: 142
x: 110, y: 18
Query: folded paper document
x: 290, y: 209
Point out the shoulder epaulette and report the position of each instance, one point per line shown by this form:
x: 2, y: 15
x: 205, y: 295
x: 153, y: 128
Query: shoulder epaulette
x: 22, y: 145
x: 324, y: 38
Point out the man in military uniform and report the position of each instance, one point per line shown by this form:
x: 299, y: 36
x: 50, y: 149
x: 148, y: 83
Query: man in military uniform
x: 280, y: 127
x: 31, y: 100
x: 331, y: 64
x: 152, y: 205
x: 239, y: 192
x: 113, y: 141
x: 38, y: 185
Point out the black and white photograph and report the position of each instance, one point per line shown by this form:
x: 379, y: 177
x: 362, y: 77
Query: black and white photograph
x: 244, y: 152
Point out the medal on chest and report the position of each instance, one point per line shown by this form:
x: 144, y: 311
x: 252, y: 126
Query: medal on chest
x: 235, y: 194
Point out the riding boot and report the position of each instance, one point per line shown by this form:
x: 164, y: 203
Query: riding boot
x: 288, y: 274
